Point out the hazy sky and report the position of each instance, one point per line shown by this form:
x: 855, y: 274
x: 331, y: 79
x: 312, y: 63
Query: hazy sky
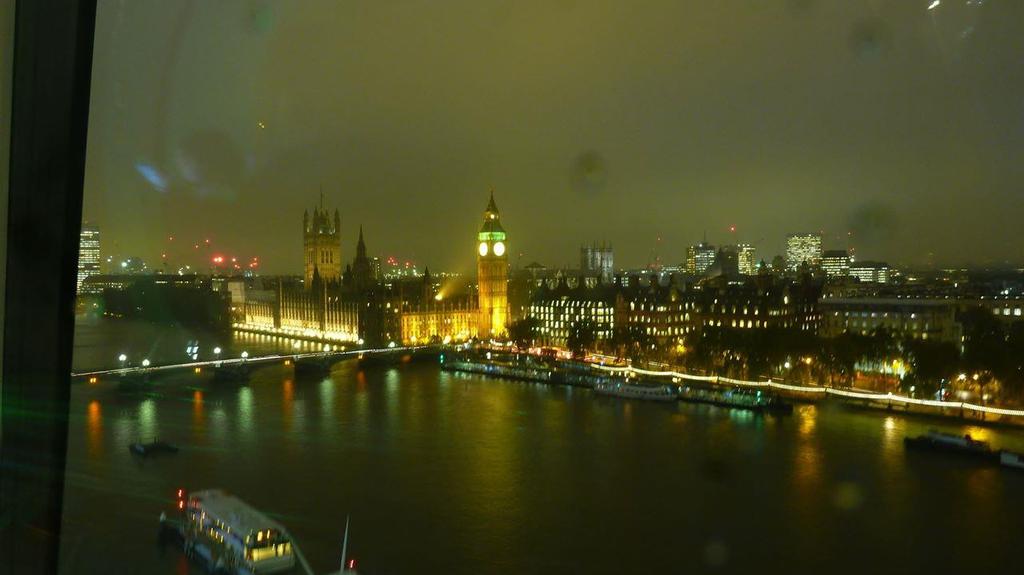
x: 621, y: 121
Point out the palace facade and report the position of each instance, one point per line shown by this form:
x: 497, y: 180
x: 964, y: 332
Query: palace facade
x: 351, y: 304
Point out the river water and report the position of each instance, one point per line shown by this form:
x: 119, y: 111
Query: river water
x: 451, y: 473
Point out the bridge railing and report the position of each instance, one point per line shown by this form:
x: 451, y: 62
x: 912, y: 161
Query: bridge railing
x: 252, y: 360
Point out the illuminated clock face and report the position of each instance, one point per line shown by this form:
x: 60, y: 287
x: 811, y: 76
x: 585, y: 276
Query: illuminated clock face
x: 482, y: 248
x: 499, y: 248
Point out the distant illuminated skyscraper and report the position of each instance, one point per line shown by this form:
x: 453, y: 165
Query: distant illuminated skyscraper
x: 88, y: 253
x: 492, y: 273
x: 375, y: 268
x: 747, y: 256
x: 835, y: 263
x: 700, y: 257
x: 803, y: 248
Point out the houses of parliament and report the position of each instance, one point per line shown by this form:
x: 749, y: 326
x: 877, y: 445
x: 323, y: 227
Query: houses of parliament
x: 348, y: 303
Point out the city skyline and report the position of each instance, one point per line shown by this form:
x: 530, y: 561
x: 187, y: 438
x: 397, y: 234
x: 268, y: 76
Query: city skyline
x: 207, y: 142
x: 212, y: 256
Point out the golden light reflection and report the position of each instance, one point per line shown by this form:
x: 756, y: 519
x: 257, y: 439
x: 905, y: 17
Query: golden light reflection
x: 892, y: 451
x: 287, y: 402
x: 198, y: 420
x: 808, y: 420
x: 807, y: 465
x: 978, y: 433
x: 807, y: 458
x: 95, y: 424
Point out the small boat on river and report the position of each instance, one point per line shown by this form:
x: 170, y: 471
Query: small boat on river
x: 960, y: 444
x: 153, y: 448
x: 637, y: 391
x: 1011, y: 459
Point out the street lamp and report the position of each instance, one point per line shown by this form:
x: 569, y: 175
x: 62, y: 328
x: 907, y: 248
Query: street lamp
x: 245, y: 355
x: 145, y: 362
x: 122, y: 358
x: 216, y: 351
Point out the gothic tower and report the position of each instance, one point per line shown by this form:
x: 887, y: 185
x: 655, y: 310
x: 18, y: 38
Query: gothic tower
x: 362, y: 275
x: 322, y: 245
x: 492, y: 274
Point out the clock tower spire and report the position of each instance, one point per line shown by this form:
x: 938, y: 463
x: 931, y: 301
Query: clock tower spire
x: 492, y: 274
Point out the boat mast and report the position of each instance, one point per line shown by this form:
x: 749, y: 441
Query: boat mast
x: 344, y: 546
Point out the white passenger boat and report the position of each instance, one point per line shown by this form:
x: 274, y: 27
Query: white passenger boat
x: 228, y: 534
x: 635, y: 391
x: 1011, y: 459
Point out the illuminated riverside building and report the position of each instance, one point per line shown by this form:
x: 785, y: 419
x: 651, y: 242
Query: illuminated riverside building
x: 88, y: 254
x: 666, y: 312
x: 906, y: 318
x: 557, y: 306
x: 803, y: 249
x: 492, y: 274
x: 359, y: 306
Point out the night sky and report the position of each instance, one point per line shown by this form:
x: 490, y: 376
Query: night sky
x: 891, y: 127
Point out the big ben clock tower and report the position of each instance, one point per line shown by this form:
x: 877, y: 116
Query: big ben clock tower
x: 492, y: 274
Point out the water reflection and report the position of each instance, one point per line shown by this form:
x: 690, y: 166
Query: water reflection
x: 808, y: 415
x: 219, y: 425
x: 327, y: 400
x: 198, y: 417
x: 246, y: 414
x: 147, y: 420
x: 480, y: 469
x: 891, y: 452
x: 287, y: 404
x: 978, y: 433
x: 807, y: 457
x: 95, y: 426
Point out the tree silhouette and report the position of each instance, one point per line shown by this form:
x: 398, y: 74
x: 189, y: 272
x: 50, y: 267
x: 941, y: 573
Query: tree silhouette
x: 582, y: 336
x: 523, y: 332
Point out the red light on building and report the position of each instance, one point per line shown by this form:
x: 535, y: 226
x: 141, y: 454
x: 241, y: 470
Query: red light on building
x: 218, y: 259
x: 351, y: 564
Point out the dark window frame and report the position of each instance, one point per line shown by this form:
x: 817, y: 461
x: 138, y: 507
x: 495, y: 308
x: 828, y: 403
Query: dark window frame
x: 53, y: 45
